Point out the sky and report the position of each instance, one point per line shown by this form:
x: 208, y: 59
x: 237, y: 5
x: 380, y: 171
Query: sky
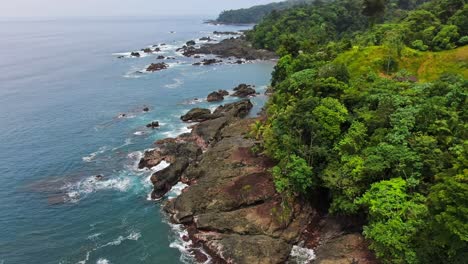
x: 84, y: 8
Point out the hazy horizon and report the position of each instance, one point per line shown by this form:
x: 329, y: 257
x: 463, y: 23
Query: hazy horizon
x: 109, y: 8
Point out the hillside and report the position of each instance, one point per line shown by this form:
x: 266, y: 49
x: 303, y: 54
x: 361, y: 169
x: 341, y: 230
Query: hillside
x: 255, y: 14
x: 369, y: 115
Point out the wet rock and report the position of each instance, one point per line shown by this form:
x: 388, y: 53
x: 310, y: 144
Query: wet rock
x: 160, y: 57
x: 164, y: 180
x: 157, y: 50
x: 157, y: 67
x: 215, y: 97
x: 226, y: 33
x: 120, y: 57
x: 223, y: 92
x: 196, y: 56
x: 234, y: 248
x: 99, y: 177
x: 197, y: 115
x: 237, y: 48
x: 154, y: 124
x: 210, y: 61
x: 146, y: 109
x: 135, y: 54
x: 236, y: 109
x: 197, y: 64
x: 170, y: 58
x: 205, y: 39
x: 244, y: 90
x: 191, y: 43
x: 147, y: 50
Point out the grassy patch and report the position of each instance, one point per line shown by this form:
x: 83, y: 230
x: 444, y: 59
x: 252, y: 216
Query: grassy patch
x: 426, y: 66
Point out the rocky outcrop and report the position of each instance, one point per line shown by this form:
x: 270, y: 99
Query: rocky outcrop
x: 135, y: 54
x: 207, y: 62
x: 154, y: 124
x: 244, y: 90
x: 191, y: 43
x: 160, y: 57
x: 236, y: 47
x: 197, y: 115
x: 157, y: 67
x: 147, y: 50
x: 226, y: 33
x: 215, y: 97
x: 231, y: 208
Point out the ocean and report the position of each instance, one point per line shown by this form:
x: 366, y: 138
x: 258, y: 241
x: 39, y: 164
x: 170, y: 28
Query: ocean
x: 63, y: 96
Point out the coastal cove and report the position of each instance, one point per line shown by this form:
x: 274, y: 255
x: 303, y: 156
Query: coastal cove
x: 72, y: 109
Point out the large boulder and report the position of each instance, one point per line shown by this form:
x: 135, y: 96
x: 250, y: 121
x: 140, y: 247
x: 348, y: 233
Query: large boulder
x: 147, y: 50
x: 157, y: 67
x: 163, y: 180
x: 197, y: 115
x: 236, y: 109
x: 215, y: 97
x: 244, y: 90
x: 191, y: 43
x: 135, y: 54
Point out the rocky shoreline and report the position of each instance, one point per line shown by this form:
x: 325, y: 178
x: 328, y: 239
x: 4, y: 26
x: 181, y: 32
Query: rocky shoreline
x: 231, y: 209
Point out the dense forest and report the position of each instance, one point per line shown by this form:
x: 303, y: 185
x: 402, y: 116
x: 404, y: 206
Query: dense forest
x: 255, y: 14
x: 370, y: 109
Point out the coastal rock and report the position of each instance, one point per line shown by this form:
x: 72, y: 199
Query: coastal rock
x: 160, y: 57
x: 154, y: 124
x: 135, y: 54
x: 157, y: 67
x: 237, y: 48
x: 147, y: 50
x: 223, y: 92
x: 197, y: 115
x: 210, y: 61
x: 215, y: 97
x: 205, y: 39
x: 244, y: 90
x: 191, y: 43
x: 146, y: 109
x: 233, y: 248
x: 164, y: 180
x: 236, y: 109
x: 226, y: 33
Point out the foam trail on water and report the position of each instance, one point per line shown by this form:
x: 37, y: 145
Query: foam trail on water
x: 93, y: 155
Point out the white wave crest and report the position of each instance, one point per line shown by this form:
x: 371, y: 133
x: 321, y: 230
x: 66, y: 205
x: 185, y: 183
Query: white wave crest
x: 93, y: 155
x: 302, y: 255
x: 103, y: 261
x: 76, y: 191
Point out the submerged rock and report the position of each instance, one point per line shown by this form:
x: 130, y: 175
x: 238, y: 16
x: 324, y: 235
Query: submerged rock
x: 160, y: 57
x: 157, y: 67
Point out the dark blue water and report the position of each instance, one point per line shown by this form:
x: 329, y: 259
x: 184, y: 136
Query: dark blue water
x: 62, y: 89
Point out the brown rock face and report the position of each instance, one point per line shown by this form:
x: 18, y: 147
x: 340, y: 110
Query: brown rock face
x: 236, y: 47
x: 215, y: 97
x: 244, y: 90
x: 197, y: 115
x: 157, y: 67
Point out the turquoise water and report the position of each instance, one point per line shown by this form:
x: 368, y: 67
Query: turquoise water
x: 62, y: 89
